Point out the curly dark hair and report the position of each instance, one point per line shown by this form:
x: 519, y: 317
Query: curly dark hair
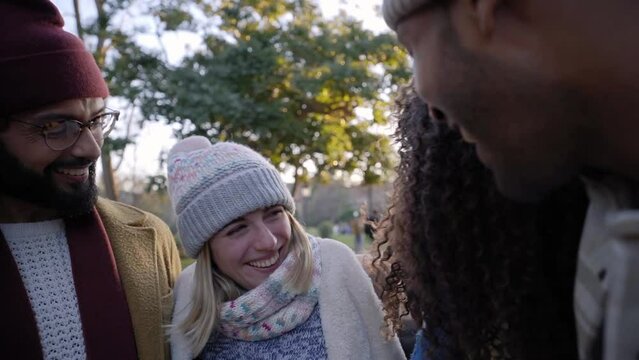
x: 487, y: 277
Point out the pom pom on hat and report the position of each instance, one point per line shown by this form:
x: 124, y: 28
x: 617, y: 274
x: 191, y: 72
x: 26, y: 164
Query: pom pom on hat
x: 190, y: 144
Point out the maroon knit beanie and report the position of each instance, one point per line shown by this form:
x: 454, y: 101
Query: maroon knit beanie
x: 40, y: 63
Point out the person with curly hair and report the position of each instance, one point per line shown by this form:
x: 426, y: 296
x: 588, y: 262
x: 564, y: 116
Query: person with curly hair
x: 546, y: 91
x: 486, y: 277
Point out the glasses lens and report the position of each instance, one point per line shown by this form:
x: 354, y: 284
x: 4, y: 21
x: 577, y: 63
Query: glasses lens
x: 101, y: 125
x: 107, y: 122
x: 62, y: 134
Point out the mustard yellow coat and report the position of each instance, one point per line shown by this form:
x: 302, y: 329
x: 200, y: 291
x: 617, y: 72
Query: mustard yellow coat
x: 148, y: 263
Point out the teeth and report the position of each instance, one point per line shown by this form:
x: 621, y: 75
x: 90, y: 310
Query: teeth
x: 73, y: 172
x: 266, y: 263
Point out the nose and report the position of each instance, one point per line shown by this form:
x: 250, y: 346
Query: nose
x: 87, y: 146
x: 265, y: 240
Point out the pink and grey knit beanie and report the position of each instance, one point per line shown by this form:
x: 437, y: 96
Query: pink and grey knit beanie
x: 40, y: 63
x: 395, y: 10
x: 212, y: 185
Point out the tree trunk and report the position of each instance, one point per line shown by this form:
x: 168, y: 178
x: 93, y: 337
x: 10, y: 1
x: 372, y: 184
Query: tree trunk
x: 78, y: 23
x: 295, y: 184
x: 108, y: 179
x: 107, y: 176
x: 300, y: 209
x: 107, y: 168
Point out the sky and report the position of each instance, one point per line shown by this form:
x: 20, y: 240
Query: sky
x: 141, y: 159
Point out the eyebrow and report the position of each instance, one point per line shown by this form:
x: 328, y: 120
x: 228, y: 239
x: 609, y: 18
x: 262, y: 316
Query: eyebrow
x: 233, y: 222
x: 58, y: 116
x: 104, y: 107
x: 52, y: 116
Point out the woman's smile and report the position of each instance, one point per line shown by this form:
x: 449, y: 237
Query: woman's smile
x: 267, y: 262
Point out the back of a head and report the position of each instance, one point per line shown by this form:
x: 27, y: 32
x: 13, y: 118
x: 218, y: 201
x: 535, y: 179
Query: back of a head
x: 40, y: 63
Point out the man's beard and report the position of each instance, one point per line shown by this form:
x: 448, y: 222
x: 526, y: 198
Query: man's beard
x: 21, y: 183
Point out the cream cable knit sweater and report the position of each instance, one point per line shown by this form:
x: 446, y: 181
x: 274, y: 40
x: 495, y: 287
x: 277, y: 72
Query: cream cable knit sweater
x: 41, y: 253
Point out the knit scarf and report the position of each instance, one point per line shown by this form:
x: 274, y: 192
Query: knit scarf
x: 106, y: 321
x: 273, y: 307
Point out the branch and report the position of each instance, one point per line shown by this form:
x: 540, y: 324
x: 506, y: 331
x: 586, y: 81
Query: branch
x: 99, y: 5
x: 158, y: 34
x: 295, y: 183
x: 78, y: 23
x: 129, y: 122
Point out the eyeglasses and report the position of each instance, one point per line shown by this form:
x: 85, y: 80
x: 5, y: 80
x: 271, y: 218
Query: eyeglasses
x: 61, y: 134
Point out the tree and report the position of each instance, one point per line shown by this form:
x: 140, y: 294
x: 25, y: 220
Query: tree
x: 126, y: 65
x: 278, y: 77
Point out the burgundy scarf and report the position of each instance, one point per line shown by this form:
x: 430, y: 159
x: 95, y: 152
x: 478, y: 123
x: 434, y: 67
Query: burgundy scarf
x: 106, y: 321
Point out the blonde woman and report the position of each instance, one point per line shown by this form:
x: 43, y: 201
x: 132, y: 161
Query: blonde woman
x: 261, y: 288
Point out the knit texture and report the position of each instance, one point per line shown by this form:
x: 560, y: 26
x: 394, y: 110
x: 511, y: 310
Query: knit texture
x: 41, y: 253
x: 212, y: 185
x: 40, y: 63
x: 395, y: 10
x: 305, y: 342
x: 273, y: 307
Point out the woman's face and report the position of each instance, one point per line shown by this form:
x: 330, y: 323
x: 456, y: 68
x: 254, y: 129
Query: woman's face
x: 251, y: 247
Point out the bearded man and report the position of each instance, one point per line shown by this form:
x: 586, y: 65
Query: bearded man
x: 81, y: 276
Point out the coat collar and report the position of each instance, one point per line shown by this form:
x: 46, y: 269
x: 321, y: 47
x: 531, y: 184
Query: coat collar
x: 135, y: 251
x: 120, y: 213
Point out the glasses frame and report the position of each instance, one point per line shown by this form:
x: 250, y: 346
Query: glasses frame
x: 81, y: 125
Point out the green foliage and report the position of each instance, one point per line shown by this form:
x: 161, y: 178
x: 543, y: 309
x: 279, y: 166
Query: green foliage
x: 274, y: 75
x: 287, y: 82
x: 186, y: 261
x: 156, y: 183
x: 127, y: 67
x: 325, y: 229
x: 346, y: 239
x: 347, y: 215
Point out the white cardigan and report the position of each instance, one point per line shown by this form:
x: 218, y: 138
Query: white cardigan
x: 350, y: 311
x: 606, y: 293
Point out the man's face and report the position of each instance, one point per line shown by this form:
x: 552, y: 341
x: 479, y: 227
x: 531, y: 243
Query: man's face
x: 510, y: 101
x: 60, y: 180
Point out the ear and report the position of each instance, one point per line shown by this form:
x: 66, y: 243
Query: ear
x: 486, y: 14
x: 475, y: 20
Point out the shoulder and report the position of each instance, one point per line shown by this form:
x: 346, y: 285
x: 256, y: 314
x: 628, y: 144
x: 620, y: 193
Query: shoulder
x: 338, y: 261
x: 184, y: 282
x: 350, y: 311
x: 182, y: 294
x: 334, y: 249
x: 117, y: 212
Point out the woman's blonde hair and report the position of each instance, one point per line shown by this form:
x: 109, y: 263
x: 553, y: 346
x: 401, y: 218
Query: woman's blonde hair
x: 212, y: 288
